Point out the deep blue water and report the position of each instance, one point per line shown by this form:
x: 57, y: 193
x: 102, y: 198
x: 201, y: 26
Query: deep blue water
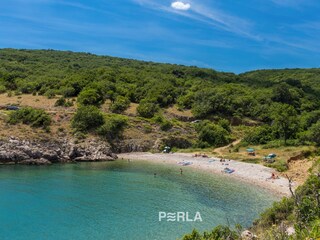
x: 118, y: 200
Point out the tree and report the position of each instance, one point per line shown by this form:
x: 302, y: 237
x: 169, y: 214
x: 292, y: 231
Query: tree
x: 314, y: 134
x: 147, y: 109
x: 284, y: 119
x: 113, y: 127
x: 212, y: 134
x: 120, y: 104
x: 90, y: 96
x: 87, y: 118
x: 30, y: 116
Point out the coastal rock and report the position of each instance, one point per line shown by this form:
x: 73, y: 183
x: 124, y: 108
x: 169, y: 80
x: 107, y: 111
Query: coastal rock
x: 133, y: 145
x: 47, y: 152
x: 247, y: 235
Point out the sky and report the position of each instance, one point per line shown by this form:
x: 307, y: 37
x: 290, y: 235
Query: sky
x: 226, y: 35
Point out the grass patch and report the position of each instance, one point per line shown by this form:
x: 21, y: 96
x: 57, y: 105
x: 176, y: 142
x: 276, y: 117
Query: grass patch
x: 279, y: 165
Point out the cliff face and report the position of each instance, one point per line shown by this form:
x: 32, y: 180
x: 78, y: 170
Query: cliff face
x: 17, y: 151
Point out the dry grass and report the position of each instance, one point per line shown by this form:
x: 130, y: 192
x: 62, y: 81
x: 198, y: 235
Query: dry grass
x: 175, y: 112
x: 132, y: 109
x: 28, y: 100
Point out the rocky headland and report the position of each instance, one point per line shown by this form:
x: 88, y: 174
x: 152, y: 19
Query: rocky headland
x: 41, y: 152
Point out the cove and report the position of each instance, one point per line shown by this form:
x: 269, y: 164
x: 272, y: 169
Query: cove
x: 119, y: 200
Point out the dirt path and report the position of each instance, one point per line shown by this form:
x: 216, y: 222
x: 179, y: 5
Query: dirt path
x: 220, y: 150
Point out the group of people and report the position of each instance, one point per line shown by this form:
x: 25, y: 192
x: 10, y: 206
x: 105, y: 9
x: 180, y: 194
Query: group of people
x: 200, y: 155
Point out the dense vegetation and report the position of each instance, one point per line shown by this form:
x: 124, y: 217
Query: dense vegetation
x: 30, y: 116
x: 284, y: 103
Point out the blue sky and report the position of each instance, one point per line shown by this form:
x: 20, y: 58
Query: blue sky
x: 226, y: 35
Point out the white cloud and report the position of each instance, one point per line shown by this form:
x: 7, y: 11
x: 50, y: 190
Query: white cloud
x: 181, y: 6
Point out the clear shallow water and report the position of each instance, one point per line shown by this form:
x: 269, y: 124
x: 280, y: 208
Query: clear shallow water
x: 118, y: 200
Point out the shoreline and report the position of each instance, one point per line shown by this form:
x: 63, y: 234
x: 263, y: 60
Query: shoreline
x: 254, y: 174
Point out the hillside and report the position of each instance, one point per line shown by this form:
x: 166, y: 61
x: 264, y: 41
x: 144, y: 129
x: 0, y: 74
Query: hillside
x: 161, y: 100
x: 83, y: 101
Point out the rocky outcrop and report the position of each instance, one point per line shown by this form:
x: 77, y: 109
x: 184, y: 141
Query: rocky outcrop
x: 132, y: 145
x: 16, y: 151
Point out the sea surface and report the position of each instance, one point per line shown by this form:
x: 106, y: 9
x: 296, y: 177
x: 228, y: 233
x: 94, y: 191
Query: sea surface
x: 119, y: 200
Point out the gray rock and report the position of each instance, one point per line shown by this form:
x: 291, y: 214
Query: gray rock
x: 47, y: 152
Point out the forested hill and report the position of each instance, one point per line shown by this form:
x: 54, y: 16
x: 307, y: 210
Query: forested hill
x: 205, y: 91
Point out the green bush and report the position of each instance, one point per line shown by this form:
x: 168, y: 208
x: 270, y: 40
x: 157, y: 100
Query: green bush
x: 120, y: 104
x: 50, y: 94
x: 225, y: 124
x: 279, y: 165
x: 259, y: 135
x: 166, y: 125
x: 3, y: 89
x: 87, y: 118
x: 90, y: 97
x: 277, y: 213
x: 147, y: 109
x: 68, y: 92
x: 30, y: 116
x: 62, y: 102
x: 210, y: 134
x: 113, y: 127
x: 218, y: 233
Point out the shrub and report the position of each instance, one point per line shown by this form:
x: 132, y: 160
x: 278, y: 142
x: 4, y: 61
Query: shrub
x: 225, y: 124
x: 50, y: 94
x: 259, y: 135
x: 147, y: 109
x: 280, y: 166
x: 166, y: 125
x: 61, y: 102
x: 2, y: 89
x: 87, y: 118
x: 277, y: 213
x: 68, y: 92
x: 113, y: 127
x: 210, y: 134
x: 90, y: 97
x: 120, y: 104
x: 30, y: 116
x: 218, y: 233
x: 314, y: 133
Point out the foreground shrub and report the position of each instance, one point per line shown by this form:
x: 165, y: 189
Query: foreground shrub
x: 87, y: 118
x: 113, y: 127
x: 30, y: 116
x: 218, y: 233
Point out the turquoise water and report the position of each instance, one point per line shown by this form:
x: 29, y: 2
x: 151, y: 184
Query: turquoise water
x: 118, y: 200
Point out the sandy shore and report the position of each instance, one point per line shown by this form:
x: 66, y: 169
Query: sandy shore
x: 251, y: 173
